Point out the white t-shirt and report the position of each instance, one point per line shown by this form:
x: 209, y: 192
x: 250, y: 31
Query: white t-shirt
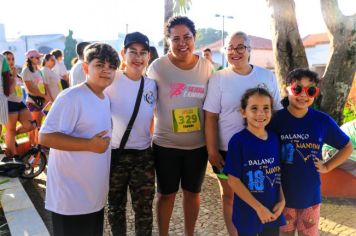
x: 78, y: 181
x: 60, y: 69
x: 225, y: 90
x: 180, y: 100
x: 52, y: 80
x: 77, y: 74
x: 17, y: 95
x: 36, y: 78
x: 122, y: 94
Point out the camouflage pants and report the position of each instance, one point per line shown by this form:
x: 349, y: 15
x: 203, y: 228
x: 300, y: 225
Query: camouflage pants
x: 133, y: 169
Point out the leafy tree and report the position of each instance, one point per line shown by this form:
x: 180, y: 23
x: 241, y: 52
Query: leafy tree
x: 207, y: 36
x: 69, y: 49
x: 173, y: 7
x: 289, y: 52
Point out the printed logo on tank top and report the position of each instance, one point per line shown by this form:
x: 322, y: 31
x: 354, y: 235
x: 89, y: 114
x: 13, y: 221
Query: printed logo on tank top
x: 297, y: 146
x: 262, y: 172
x: 187, y: 90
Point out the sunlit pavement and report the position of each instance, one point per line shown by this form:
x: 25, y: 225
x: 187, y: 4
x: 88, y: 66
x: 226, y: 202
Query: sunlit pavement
x: 338, y: 216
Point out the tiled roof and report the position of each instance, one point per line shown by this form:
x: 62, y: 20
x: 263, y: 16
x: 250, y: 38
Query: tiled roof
x: 256, y: 43
x: 312, y: 40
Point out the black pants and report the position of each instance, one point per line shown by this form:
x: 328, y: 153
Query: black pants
x: 274, y: 231
x: 78, y: 225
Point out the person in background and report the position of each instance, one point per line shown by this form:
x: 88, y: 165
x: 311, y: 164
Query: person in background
x: 132, y: 163
x: 51, y: 80
x: 76, y: 74
x: 5, y: 77
x: 59, y: 68
x: 207, y: 54
x: 18, y: 112
x: 78, y: 130
x: 178, y: 139
x: 153, y: 54
x: 36, y: 92
x: 222, y: 105
x: 328, y: 152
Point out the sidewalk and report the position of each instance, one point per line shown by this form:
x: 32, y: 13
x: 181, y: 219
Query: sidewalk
x: 21, y: 215
x: 338, y: 216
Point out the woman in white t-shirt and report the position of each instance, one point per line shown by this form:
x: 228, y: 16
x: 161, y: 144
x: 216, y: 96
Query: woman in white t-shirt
x: 51, y: 80
x: 36, y: 92
x: 18, y: 111
x: 132, y: 163
x: 178, y: 139
x: 222, y: 108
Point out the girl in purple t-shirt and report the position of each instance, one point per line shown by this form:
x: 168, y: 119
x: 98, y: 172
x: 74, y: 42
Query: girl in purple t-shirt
x: 253, y: 169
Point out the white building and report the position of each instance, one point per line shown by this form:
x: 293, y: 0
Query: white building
x: 43, y: 43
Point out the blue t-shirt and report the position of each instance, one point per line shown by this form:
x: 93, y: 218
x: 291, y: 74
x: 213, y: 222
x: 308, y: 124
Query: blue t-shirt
x: 256, y: 163
x: 301, y: 141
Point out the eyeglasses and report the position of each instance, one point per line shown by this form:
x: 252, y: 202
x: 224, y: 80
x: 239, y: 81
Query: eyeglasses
x: 36, y: 58
x: 136, y: 54
x: 239, y: 49
x: 186, y: 39
x: 311, y: 91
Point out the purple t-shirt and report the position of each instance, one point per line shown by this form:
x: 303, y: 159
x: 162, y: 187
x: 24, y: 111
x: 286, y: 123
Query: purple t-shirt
x: 301, y: 141
x: 256, y: 163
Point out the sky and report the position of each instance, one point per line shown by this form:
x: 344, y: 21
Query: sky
x: 104, y: 19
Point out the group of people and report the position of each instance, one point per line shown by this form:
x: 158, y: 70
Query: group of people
x: 43, y: 77
x: 99, y: 132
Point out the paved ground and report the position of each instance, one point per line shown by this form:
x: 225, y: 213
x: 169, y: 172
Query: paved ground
x: 338, y: 216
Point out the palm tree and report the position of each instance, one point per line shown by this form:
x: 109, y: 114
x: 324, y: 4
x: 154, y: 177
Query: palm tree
x: 173, y: 7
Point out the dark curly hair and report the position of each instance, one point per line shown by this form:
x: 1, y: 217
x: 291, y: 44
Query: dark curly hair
x: 299, y: 73
x: 101, y: 51
x: 179, y: 20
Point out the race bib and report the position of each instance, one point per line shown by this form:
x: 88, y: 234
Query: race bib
x: 186, y: 119
x: 41, y: 87
x: 18, y: 91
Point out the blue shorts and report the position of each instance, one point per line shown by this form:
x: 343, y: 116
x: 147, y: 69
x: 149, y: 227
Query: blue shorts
x: 16, y: 107
x: 176, y: 167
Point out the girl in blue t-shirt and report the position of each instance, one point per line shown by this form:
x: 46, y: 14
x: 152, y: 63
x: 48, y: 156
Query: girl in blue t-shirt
x: 253, y: 169
x: 303, y: 131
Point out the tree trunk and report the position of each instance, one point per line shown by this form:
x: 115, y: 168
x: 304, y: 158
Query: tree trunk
x: 288, y: 48
x: 168, y: 13
x: 340, y: 70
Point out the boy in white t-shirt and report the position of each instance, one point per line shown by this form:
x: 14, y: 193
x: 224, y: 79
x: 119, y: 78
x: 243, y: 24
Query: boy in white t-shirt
x: 78, y: 130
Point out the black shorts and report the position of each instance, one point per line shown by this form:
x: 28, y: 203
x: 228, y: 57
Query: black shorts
x: 78, y: 225
x: 16, y: 107
x: 174, y: 166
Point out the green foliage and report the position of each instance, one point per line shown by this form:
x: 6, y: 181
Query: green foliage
x: 349, y: 112
x: 207, y: 36
x: 181, y: 6
x: 69, y: 49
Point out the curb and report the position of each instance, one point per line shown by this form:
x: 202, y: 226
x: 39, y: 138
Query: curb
x: 21, y: 215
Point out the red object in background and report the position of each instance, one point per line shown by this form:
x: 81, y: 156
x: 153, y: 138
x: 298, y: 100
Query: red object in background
x: 338, y: 183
